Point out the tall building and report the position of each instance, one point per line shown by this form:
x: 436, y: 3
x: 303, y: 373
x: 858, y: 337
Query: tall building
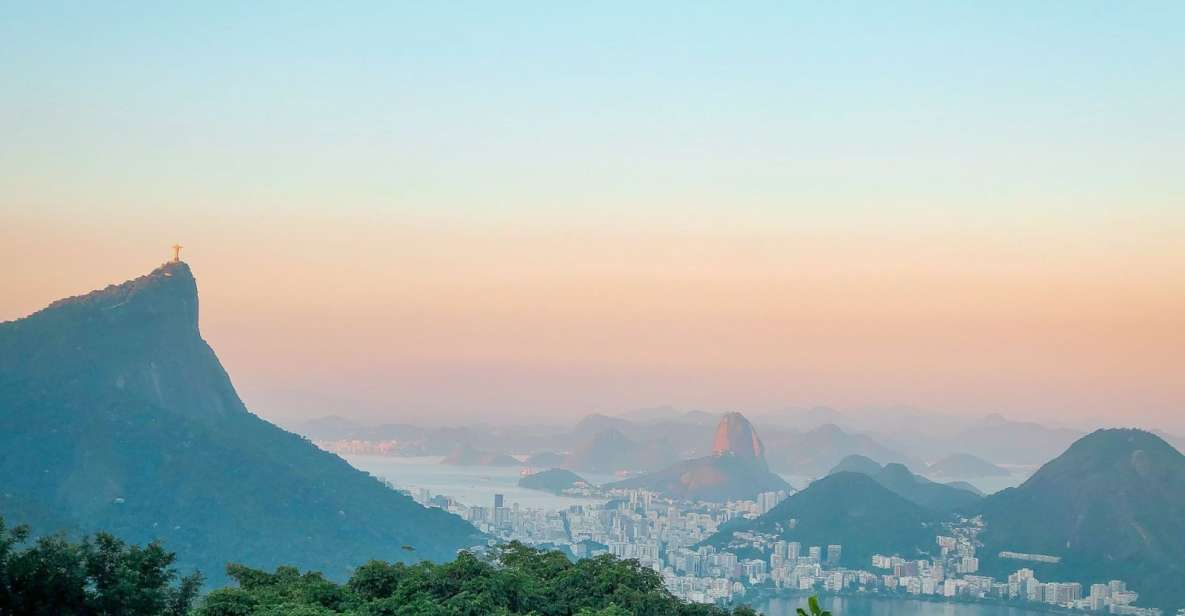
x: 498, y: 501
x: 793, y: 550
x: 833, y: 553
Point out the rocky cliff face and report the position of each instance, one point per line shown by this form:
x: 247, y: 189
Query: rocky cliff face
x: 136, y: 340
x: 736, y: 470
x: 115, y: 415
x: 736, y: 436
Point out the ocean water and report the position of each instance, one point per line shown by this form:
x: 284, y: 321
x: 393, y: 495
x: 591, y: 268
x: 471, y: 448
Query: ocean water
x: 469, y: 485
x: 884, y: 606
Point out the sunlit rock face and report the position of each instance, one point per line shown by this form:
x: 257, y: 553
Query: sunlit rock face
x: 736, y: 436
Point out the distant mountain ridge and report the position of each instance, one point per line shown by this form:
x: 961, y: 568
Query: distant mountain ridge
x: 464, y: 455
x: 815, y: 452
x: 965, y: 466
x: 896, y: 477
x: 610, y: 450
x: 116, y: 415
x: 1004, y: 441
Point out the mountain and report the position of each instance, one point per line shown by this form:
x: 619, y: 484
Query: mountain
x: 963, y: 485
x: 803, y: 419
x: 554, y: 480
x: 545, y: 459
x: 1003, y: 441
x: 592, y: 425
x: 713, y: 479
x: 1112, y: 507
x: 913, y: 487
x: 965, y: 466
x: 857, y: 464
x: 936, y: 496
x: 816, y: 451
x: 116, y: 415
x: 610, y: 451
x: 850, y: 509
x: 735, y: 471
x: 1178, y: 442
x: 464, y: 455
x: 736, y: 436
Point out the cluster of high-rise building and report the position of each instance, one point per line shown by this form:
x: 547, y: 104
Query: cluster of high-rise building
x: 666, y: 536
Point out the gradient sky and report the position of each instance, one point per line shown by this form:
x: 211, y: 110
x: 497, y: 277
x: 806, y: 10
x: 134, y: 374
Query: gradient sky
x: 439, y: 211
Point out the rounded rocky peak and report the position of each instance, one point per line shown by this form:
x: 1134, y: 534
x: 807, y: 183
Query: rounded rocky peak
x: 736, y: 436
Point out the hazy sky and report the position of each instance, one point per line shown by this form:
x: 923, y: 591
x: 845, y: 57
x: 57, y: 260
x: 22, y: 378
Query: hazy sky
x: 444, y: 210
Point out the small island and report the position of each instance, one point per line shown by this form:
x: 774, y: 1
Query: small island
x: 556, y: 481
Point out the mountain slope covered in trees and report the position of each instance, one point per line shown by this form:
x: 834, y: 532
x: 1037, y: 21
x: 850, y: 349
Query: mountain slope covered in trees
x: 1112, y: 507
x: 116, y: 415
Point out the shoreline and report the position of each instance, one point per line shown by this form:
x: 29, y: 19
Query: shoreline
x: 761, y: 595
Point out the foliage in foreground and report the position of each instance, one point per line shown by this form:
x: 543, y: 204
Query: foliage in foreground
x: 514, y: 579
x: 813, y: 604
x: 100, y: 575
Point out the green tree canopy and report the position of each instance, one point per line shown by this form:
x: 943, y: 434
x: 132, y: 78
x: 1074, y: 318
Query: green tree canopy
x: 99, y: 575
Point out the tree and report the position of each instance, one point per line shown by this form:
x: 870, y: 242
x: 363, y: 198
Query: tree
x: 99, y: 575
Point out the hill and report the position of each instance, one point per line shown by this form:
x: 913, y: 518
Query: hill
x: 545, y: 459
x: 736, y: 470
x: 1112, y: 507
x: 963, y: 485
x: 116, y: 415
x: 857, y: 464
x: 553, y: 480
x: 913, y: 487
x: 610, y: 451
x: 965, y: 466
x: 1004, y: 441
x: 817, y: 451
x: 850, y: 509
x: 713, y: 479
x: 465, y: 455
x: 936, y: 496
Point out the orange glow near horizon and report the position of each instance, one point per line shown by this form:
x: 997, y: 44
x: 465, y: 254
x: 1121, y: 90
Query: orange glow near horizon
x: 385, y: 320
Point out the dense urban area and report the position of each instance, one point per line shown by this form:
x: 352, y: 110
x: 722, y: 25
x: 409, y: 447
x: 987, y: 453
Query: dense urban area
x: 667, y: 535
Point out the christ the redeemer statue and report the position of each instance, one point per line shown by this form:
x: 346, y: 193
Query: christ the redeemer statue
x: 176, y: 252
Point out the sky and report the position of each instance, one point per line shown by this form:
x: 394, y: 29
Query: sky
x: 442, y: 212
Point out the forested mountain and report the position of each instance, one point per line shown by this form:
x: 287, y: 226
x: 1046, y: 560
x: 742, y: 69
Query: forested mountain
x: 850, y: 509
x: 116, y: 415
x: 1112, y: 506
x: 896, y: 477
